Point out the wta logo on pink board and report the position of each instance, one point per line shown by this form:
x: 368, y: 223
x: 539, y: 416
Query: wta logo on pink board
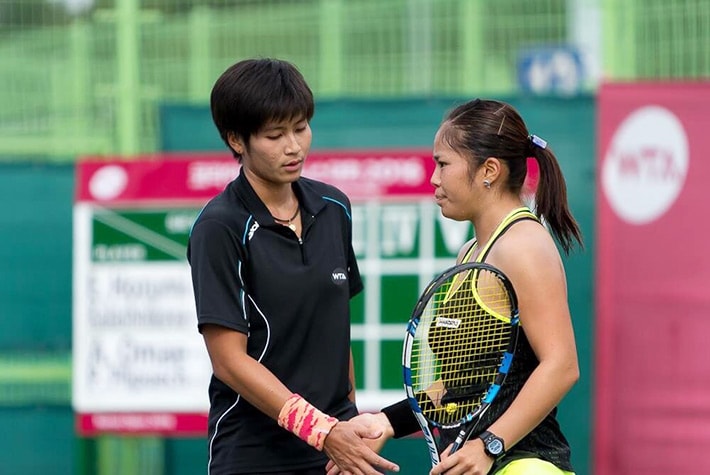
x: 646, y: 164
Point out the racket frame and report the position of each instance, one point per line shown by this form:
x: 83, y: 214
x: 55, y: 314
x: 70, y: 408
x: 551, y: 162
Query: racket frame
x: 466, y: 424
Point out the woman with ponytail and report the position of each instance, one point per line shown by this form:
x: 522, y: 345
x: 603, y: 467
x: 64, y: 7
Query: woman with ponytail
x: 481, y: 152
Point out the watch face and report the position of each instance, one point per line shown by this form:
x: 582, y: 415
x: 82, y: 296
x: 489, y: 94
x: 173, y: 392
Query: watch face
x: 494, y: 446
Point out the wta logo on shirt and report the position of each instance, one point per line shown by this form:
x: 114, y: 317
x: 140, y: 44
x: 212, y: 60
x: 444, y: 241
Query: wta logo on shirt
x: 339, y: 276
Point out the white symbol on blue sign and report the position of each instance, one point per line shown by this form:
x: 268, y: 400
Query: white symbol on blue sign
x: 551, y: 70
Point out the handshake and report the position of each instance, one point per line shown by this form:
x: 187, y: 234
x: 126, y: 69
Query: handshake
x: 353, y: 446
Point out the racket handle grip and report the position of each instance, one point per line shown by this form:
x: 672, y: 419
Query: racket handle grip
x: 459, y: 440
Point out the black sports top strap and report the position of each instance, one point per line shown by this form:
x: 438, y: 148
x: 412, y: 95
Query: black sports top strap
x: 514, y: 216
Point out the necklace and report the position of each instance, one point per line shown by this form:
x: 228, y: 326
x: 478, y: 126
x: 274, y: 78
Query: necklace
x: 289, y: 222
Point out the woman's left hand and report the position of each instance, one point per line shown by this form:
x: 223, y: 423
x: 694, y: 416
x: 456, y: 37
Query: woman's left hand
x: 470, y: 459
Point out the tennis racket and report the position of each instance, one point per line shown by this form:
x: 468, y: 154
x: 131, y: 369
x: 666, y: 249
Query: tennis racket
x: 458, y: 349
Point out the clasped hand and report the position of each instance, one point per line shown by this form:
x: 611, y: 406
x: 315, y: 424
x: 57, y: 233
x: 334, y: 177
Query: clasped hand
x: 353, y: 446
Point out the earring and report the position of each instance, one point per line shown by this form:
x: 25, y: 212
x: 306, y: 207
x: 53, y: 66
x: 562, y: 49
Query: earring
x: 487, y: 184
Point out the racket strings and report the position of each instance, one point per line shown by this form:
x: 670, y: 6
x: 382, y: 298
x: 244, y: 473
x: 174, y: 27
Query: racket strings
x: 459, y: 344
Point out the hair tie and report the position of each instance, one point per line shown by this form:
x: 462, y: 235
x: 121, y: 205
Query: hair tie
x: 538, y: 141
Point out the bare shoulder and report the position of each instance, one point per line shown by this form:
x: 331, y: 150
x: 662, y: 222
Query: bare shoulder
x: 525, y: 247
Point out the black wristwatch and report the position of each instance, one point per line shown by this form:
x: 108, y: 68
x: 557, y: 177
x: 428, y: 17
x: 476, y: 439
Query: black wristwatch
x: 492, y: 444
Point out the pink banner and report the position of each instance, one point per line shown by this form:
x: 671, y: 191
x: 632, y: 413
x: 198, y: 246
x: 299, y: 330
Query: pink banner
x: 653, y: 275
x: 361, y: 174
x: 88, y: 425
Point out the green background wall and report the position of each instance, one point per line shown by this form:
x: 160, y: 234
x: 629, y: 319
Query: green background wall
x: 35, y: 282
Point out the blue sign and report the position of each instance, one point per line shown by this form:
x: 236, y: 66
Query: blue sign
x: 551, y: 70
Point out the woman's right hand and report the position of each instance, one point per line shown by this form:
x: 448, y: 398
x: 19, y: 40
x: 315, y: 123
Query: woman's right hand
x: 375, y: 430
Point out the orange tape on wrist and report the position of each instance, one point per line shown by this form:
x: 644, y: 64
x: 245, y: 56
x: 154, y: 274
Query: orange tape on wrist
x: 311, y: 425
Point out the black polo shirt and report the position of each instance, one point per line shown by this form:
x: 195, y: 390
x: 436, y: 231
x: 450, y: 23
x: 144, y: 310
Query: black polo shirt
x: 291, y: 296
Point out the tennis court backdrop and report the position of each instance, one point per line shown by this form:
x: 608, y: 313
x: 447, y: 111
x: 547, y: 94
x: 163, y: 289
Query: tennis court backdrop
x: 397, y: 243
x: 121, y: 78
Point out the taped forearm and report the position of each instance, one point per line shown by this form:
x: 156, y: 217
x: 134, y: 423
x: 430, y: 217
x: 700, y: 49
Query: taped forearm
x: 308, y: 423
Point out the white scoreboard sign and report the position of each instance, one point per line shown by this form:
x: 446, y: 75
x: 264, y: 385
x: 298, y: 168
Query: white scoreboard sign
x: 140, y: 364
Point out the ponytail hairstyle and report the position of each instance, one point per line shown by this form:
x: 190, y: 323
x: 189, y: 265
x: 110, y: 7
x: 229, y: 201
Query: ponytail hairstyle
x: 482, y: 128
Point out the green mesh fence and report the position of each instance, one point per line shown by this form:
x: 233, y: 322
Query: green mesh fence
x: 87, y: 76
x: 656, y: 39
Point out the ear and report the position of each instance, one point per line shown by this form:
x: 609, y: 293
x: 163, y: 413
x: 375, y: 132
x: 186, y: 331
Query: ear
x: 235, y: 142
x: 491, y: 169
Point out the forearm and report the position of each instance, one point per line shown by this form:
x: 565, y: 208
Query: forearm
x: 233, y: 366
x: 262, y: 389
x: 255, y: 383
x: 544, y: 390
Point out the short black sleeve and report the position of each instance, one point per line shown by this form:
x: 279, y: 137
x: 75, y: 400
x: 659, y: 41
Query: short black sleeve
x: 214, y: 256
